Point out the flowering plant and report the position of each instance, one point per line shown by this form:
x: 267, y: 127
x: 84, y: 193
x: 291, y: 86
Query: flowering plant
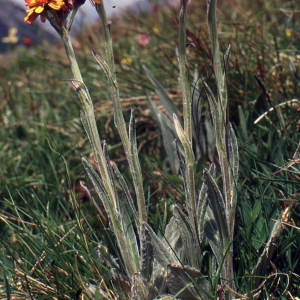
x: 148, y: 264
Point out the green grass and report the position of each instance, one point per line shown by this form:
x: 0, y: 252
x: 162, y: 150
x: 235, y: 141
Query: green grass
x: 42, y: 142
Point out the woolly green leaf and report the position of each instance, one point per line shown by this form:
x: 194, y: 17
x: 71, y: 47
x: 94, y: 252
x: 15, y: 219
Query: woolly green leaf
x: 225, y: 61
x: 202, y: 204
x: 109, y: 172
x: 212, y: 234
x: 87, y: 129
x: 201, y: 210
x: 132, y: 130
x: 99, y: 187
x: 210, y: 137
x: 186, y: 282
x: 162, y: 251
x: 82, y: 92
x: 142, y: 289
x: 216, y: 114
x: 126, y: 191
x: 119, y: 224
x: 104, y: 66
x: 233, y: 154
x: 133, y: 145
x: 212, y: 25
x: 147, y: 255
x: 187, y: 236
x: 217, y: 205
x: 128, y: 232
x: 173, y: 237
x: 185, y: 142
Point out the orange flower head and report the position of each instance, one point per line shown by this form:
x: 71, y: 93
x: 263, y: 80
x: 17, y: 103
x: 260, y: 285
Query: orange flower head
x: 37, y: 7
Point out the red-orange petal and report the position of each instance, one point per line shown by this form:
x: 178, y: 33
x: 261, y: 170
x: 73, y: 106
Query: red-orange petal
x: 55, y: 6
x: 30, y: 18
x: 39, y: 10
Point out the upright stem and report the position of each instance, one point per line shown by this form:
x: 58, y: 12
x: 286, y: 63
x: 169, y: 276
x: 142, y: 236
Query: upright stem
x: 130, y: 150
x: 98, y: 153
x: 222, y: 138
x: 89, y: 112
x: 71, y: 55
x: 187, y: 115
x: 185, y: 84
x: 107, y: 38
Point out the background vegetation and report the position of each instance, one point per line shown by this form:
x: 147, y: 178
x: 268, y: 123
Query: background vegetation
x: 42, y: 139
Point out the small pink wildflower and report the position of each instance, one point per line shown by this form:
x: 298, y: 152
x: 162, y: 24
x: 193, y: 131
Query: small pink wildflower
x: 143, y: 39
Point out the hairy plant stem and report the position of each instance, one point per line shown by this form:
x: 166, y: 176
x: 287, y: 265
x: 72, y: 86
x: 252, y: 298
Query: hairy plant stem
x: 185, y: 83
x: 222, y: 139
x: 99, y: 156
x: 89, y: 112
x: 130, y: 149
x: 187, y: 115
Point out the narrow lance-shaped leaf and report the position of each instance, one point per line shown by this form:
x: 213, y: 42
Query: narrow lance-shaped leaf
x: 202, y: 199
x: 188, y: 173
x: 128, y: 232
x: 114, y: 218
x: 219, y: 120
x: 133, y: 146
x: 136, y: 172
x: 89, y: 123
x: 217, y: 204
x: 126, y: 192
x: 105, y: 68
x: 162, y: 251
x: 99, y: 186
x: 210, y: 136
x: 105, y: 25
x: 147, y: 252
x: 110, y: 174
x: 129, y: 147
x: 187, y: 283
x: 182, y: 164
x: 225, y: 60
x: 83, y: 93
x: 189, y: 239
x: 86, y: 127
x: 201, y: 210
x: 213, y: 32
x: 216, y: 115
x: 173, y: 237
x: 233, y: 154
x: 190, y: 159
x: 142, y: 289
x: 212, y: 234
